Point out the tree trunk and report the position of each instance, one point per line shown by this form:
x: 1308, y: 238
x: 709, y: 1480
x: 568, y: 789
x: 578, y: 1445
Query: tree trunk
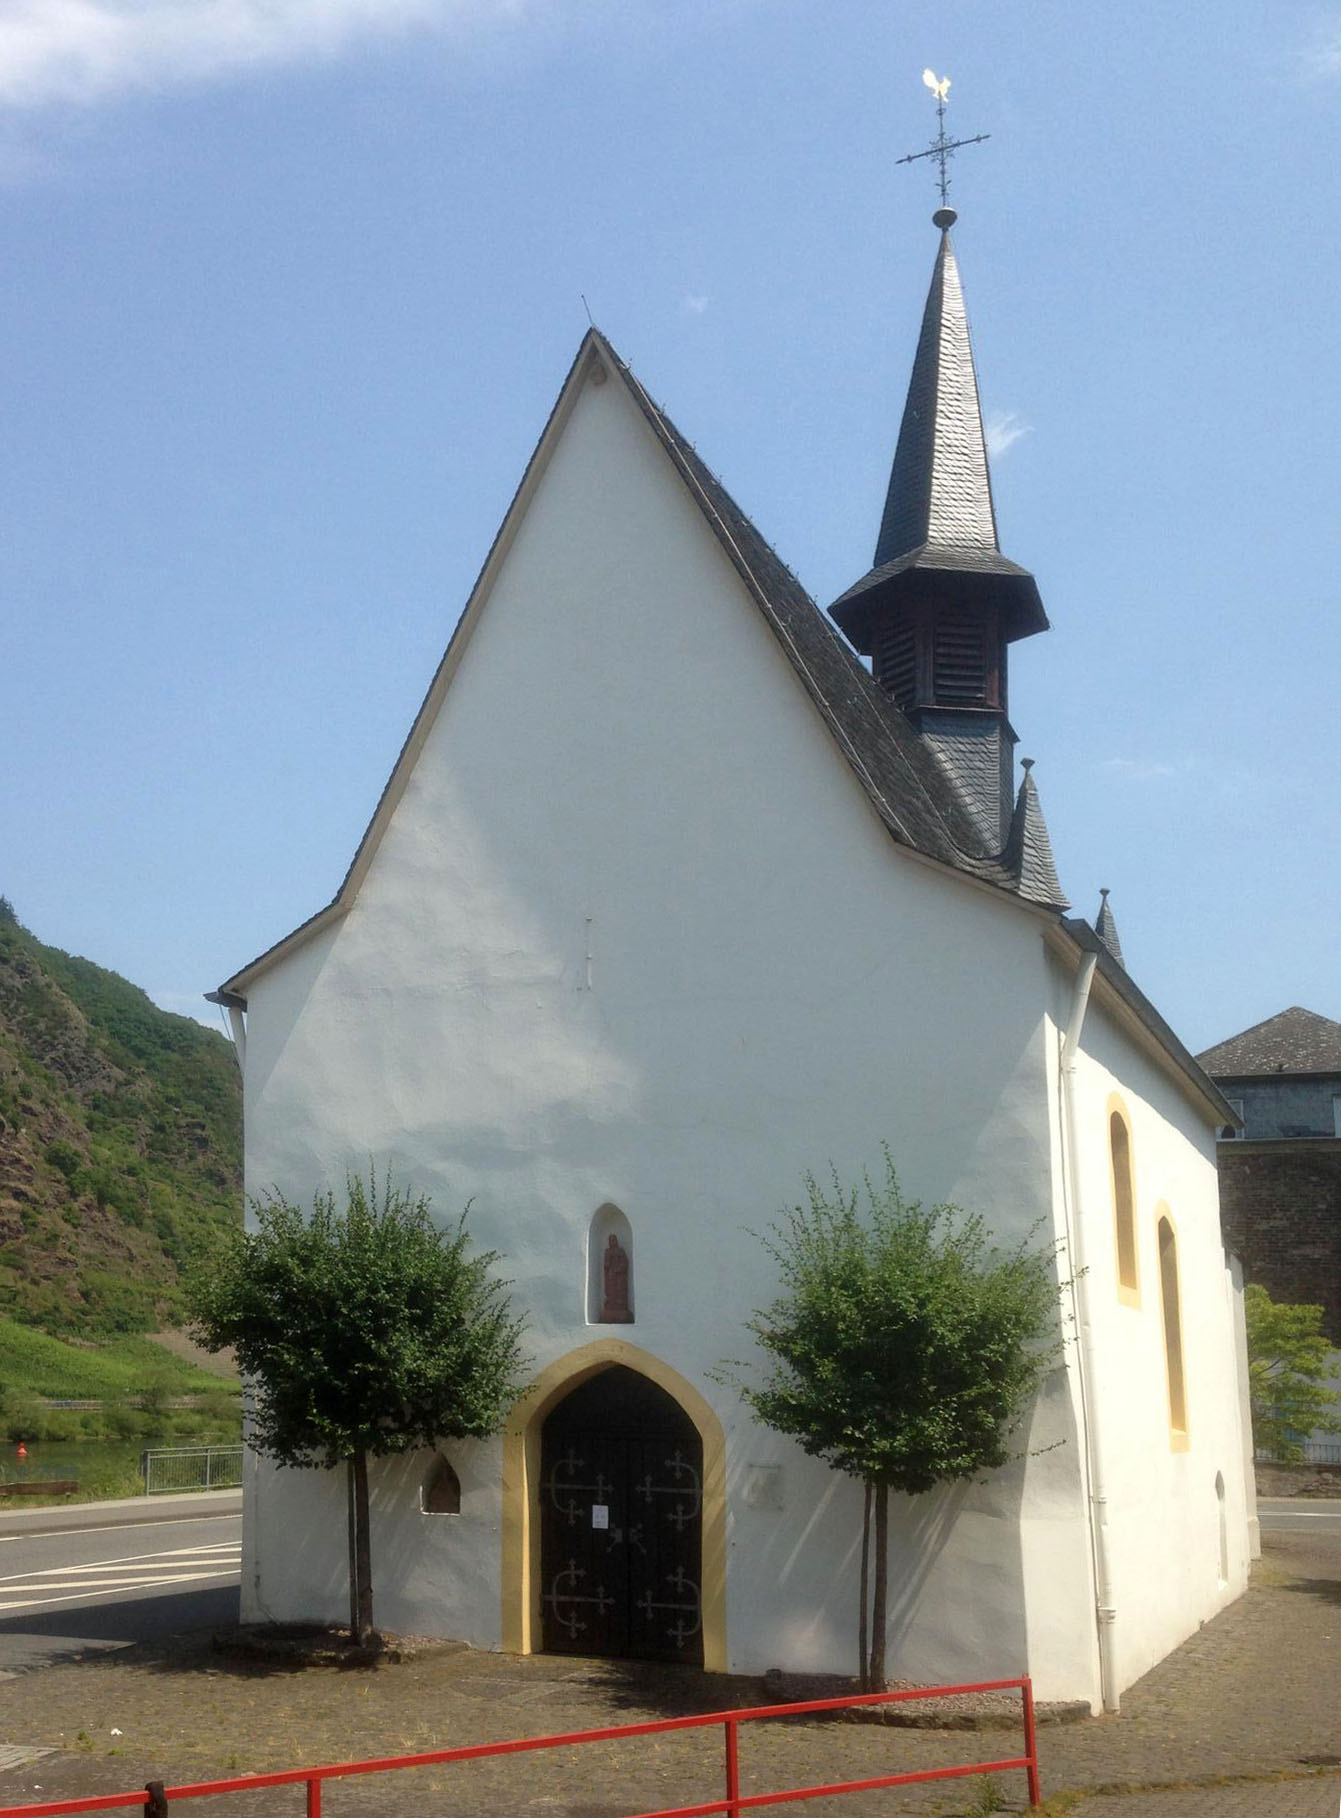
x: 877, y: 1674
x: 363, y: 1601
x: 864, y: 1672
x: 352, y: 1523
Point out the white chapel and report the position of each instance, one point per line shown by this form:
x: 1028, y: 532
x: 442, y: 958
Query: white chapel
x: 671, y: 897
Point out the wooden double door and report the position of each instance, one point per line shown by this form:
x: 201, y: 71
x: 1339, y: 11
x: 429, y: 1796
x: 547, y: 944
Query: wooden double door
x: 621, y: 1523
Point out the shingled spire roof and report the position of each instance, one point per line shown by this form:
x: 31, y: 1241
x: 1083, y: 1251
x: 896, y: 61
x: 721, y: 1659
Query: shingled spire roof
x: 938, y: 515
x: 1105, y: 926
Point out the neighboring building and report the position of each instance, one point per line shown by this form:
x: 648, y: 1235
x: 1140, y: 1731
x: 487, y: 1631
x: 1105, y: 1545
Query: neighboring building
x: 1280, y: 1173
x: 668, y: 900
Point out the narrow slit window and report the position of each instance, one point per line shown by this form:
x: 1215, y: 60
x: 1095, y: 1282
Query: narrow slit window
x: 1124, y: 1206
x: 1173, y: 1330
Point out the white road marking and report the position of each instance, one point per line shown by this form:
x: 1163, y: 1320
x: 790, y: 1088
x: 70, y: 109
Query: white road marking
x: 130, y: 1559
x: 91, y: 1580
x: 90, y: 1596
x: 13, y: 1587
x: 118, y: 1527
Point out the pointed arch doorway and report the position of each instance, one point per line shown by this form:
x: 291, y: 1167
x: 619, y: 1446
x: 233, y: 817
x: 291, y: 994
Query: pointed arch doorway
x: 523, y: 1582
x: 621, y: 1522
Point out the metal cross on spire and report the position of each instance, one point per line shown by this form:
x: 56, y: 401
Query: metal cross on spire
x: 942, y: 148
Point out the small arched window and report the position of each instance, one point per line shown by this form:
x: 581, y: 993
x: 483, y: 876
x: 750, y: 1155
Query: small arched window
x: 1173, y: 1333
x: 1124, y: 1207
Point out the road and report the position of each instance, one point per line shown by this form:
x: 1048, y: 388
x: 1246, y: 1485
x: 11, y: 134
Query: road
x: 1299, y: 1515
x: 103, y: 1586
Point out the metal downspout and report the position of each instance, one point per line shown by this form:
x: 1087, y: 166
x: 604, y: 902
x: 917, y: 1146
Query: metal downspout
x: 1105, y: 1612
x: 238, y: 1024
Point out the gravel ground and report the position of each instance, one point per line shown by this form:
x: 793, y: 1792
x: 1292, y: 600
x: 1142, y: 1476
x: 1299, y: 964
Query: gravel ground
x: 1253, y: 1697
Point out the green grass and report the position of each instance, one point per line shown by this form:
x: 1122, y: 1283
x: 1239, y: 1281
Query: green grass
x: 33, y: 1363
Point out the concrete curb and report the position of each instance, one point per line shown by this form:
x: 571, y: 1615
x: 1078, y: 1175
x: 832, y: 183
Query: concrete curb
x: 129, y: 1512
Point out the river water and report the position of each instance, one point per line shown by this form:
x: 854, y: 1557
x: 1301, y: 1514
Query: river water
x: 89, y: 1460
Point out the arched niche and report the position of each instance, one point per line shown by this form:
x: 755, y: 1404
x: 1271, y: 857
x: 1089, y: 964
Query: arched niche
x: 441, y: 1493
x: 610, y: 1289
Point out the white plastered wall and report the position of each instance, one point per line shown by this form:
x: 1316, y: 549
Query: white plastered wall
x: 1163, y: 1510
x: 634, y: 935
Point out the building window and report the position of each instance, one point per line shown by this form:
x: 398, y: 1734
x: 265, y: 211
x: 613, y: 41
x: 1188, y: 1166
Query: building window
x: 1173, y: 1334
x: 1124, y: 1208
x: 1229, y: 1133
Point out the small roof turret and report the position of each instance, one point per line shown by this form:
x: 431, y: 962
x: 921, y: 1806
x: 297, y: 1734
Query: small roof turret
x: 1105, y: 926
x: 1029, y: 850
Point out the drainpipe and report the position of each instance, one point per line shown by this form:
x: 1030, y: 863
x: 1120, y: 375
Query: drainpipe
x: 1105, y: 1612
x: 237, y: 1022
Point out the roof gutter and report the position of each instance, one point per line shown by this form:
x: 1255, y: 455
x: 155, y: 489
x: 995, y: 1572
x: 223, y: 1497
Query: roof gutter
x: 1105, y: 1609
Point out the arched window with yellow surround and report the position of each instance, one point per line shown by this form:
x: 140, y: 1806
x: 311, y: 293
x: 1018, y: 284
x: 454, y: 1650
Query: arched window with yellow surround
x: 1170, y: 1301
x: 1124, y: 1204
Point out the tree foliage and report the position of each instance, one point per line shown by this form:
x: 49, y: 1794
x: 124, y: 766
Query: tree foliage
x: 905, y: 1347
x: 365, y: 1330
x: 1289, y: 1365
x: 906, y: 1344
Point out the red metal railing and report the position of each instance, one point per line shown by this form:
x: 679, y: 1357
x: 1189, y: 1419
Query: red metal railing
x: 733, y: 1803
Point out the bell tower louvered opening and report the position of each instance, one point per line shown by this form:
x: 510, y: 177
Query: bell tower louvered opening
x: 941, y: 656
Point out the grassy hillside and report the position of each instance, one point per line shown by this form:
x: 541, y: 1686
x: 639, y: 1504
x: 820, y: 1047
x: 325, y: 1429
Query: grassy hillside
x: 51, y: 1367
x: 120, y: 1145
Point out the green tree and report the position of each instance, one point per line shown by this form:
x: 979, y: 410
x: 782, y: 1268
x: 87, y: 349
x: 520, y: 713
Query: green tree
x: 365, y: 1331
x: 1289, y: 1362
x: 905, y: 1348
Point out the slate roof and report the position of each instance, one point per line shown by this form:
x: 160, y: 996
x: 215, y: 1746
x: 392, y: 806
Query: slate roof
x: 1295, y: 1041
x: 1105, y: 926
x: 906, y: 783
x: 939, y: 516
x: 1131, y: 994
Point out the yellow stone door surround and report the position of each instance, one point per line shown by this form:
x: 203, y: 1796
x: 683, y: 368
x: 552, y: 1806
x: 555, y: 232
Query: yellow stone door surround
x: 521, y: 1489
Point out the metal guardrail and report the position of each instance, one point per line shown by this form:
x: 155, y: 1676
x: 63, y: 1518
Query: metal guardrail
x: 733, y: 1804
x: 1315, y: 1451
x: 191, y: 1468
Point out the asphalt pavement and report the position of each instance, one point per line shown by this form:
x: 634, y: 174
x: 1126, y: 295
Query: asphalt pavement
x: 124, y: 1573
x: 1299, y: 1515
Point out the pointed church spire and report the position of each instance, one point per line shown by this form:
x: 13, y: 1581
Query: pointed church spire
x: 941, y: 606
x: 939, y: 525
x: 1105, y: 926
x: 939, y: 490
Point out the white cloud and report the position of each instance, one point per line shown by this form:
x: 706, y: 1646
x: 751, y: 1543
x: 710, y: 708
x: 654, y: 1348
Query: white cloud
x: 1003, y: 429
x: 83, y: 51
x: 1137, y: 770
x: 696, y: 305
x: 1323, y: 56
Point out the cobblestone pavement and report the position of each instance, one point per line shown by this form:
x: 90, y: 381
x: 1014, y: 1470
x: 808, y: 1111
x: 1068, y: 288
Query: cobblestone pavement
x: 1317, y: 1798
x: 1253, y: 1697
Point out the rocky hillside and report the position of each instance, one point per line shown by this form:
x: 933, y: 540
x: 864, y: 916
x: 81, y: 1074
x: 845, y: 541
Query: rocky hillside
x: 120, y: 1143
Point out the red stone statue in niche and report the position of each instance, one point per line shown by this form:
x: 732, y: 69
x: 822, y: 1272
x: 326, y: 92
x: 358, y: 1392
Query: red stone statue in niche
x: 615, y: 1308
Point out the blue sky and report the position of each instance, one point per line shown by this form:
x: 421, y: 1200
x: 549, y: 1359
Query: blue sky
x: 291, y: 286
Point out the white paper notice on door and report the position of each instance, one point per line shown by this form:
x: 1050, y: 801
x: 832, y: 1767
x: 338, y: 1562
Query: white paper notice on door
x: 600, y: 1515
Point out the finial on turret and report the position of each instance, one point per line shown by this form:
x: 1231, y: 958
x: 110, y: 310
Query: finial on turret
x: 942, y: 148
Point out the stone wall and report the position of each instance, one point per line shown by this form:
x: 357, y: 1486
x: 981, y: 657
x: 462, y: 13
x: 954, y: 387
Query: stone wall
x: 1280, y: 1207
